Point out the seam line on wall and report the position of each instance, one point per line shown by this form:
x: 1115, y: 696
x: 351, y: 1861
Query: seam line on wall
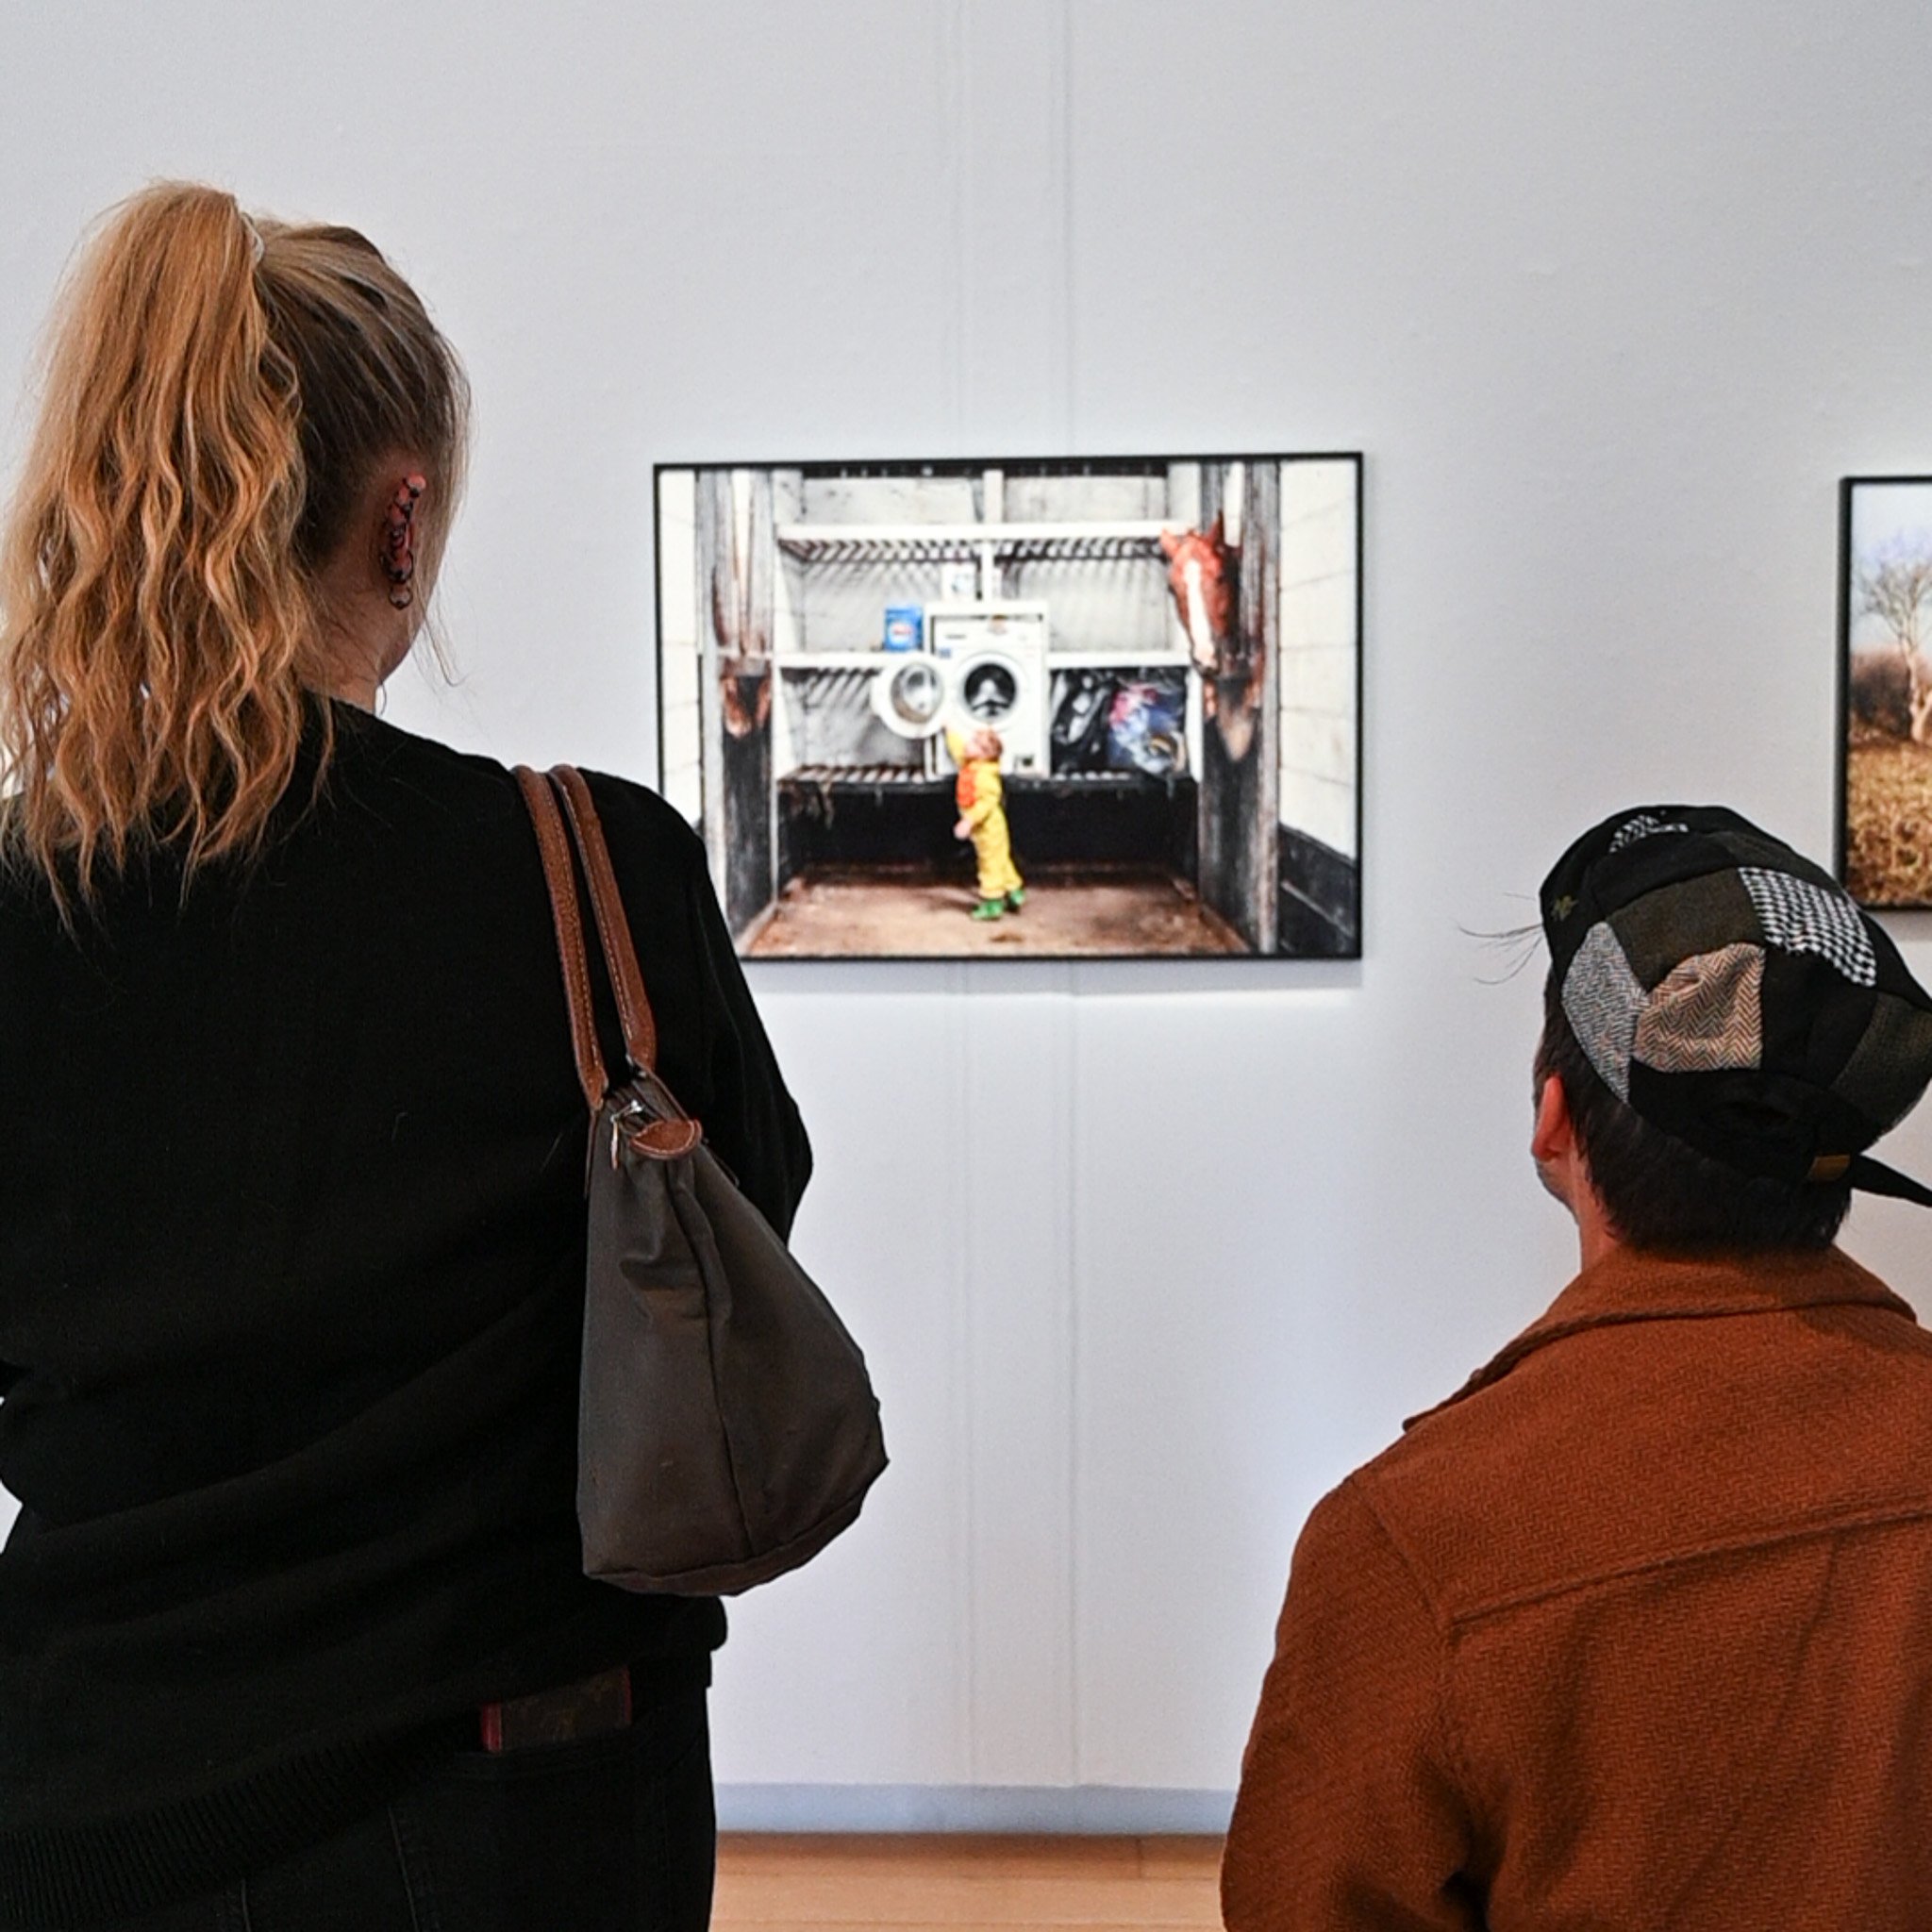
x: 958, y: 135
x: 1071, y: 1200
x: 1064, y: 145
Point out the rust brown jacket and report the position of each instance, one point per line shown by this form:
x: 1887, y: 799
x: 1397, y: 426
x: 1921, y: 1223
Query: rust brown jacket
x: 1634, y: 1631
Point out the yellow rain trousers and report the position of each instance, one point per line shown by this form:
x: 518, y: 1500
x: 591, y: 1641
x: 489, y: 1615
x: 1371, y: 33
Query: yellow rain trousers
x: 980, y: 796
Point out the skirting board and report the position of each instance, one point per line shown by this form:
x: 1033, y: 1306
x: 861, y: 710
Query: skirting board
x: 1100, y: 1809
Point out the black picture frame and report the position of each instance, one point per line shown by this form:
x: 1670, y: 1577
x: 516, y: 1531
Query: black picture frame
x: 1187, y: 781
x: 1883, y: 819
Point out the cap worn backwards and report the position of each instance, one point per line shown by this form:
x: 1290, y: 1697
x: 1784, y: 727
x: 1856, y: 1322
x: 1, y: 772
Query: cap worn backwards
x: 1734, y: 996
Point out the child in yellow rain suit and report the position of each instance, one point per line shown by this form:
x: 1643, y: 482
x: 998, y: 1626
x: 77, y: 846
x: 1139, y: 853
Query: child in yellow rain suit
x: 983, y: 818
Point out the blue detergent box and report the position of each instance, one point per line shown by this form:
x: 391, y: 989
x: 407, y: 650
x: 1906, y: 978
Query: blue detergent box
x: 905, y: 627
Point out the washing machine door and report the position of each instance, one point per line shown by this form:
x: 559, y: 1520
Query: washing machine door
x: 909, y: 697
x: 989, y: 686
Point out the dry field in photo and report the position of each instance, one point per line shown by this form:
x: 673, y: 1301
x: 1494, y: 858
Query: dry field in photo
x: 1889, y: 821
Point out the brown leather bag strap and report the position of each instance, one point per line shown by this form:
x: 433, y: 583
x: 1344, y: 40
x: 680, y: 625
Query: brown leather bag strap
x: 613, y: 928
x: 560, y: 877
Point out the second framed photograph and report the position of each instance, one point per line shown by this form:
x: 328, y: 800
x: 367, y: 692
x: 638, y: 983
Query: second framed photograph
x: 1020, y: 709
x: 1885, y: 679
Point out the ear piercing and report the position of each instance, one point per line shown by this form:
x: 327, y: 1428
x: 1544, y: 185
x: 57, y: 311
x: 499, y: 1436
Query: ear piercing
x: 398, y: 541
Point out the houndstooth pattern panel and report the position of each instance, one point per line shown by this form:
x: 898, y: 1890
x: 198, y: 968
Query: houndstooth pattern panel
x: 1705, y: 1013
x: 1800, y: 917
x: 1645, y: 825
x: 1602, y: 1000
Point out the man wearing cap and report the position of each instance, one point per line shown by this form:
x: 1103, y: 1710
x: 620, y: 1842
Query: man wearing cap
x: 1635, y: 1630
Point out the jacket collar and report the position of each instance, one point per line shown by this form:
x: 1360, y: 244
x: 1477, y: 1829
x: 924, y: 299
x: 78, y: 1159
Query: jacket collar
x: 1627, y: 1286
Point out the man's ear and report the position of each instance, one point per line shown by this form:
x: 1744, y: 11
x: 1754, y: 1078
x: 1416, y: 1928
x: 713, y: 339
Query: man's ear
x: 1554, y: 1134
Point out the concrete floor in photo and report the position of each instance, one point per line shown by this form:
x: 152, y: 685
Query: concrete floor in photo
x: 851, y: 918
x: 785, y: 1883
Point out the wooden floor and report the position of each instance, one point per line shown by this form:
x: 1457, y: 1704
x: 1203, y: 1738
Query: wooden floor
x: 776, y: 1882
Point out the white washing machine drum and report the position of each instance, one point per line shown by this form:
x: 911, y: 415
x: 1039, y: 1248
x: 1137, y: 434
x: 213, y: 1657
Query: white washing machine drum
x: 986, y: 687
x: 910, y: 698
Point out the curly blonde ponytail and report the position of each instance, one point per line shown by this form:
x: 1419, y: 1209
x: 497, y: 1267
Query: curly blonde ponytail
x: 216, y: 397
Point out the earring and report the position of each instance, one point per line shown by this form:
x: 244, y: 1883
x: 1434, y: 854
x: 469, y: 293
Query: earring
x: 398, y: 541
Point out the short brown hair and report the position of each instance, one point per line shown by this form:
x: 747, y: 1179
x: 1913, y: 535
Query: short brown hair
x: 1661, y: 1194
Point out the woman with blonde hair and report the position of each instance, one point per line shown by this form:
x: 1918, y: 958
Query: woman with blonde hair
x: 293, y: 1631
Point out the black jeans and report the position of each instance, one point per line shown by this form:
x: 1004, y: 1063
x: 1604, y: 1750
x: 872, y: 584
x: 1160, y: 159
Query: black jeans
x: 614, y: 1831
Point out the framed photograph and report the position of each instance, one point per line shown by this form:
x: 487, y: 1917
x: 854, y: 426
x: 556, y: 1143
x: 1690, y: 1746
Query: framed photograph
x: 1885, y: 684
x: 1019, y: 709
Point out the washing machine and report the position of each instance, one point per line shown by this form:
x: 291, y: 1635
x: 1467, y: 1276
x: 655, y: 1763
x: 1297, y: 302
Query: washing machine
x: 992, y: 660
x: 910, y: 695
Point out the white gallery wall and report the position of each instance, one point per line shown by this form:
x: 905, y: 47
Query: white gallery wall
x: 1146, y: 1257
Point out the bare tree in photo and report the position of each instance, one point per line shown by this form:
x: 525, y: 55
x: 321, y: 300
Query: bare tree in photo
x: 1894, y: 585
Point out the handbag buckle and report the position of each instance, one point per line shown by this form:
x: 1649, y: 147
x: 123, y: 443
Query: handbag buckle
x: 632, y: 1109
x: 650, y: 1133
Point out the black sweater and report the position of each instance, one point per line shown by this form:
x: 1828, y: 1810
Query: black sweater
x: 292, y: 1243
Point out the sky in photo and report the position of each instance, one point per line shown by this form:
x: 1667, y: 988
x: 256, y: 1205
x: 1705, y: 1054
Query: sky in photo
x: 1883, y: 514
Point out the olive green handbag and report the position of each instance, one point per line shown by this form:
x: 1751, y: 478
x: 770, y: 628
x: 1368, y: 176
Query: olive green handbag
x: 727, y: 1430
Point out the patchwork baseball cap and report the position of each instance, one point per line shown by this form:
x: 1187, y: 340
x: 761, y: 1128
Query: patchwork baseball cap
x: 1734, y: 996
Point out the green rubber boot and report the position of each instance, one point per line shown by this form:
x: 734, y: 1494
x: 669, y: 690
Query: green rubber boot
x: 1016, y: 898
x: 987, y: 909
